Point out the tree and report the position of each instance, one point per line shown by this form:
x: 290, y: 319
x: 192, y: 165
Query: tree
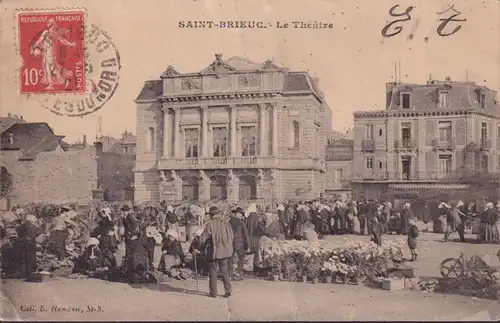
x: 6, y: 180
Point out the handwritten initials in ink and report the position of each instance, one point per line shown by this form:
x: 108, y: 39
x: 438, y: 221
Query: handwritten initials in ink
x: 446, y: 21
x: 398, y: 29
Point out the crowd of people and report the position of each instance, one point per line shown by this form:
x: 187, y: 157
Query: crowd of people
x: 222, y: 240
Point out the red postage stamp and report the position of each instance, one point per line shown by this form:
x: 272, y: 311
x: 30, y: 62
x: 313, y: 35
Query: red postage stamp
x: 51, y: 46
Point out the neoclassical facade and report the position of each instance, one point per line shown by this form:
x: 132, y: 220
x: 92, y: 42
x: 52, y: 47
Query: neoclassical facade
x: 236, y: 130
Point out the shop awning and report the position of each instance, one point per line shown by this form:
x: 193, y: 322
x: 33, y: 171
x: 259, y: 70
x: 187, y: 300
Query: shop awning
x: 417, y: 186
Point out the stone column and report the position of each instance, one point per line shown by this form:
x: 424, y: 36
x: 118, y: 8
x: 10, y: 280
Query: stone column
x: 166, y: 133
x: 262, y: 126
x: 232, y: 187
x: 203, y: 186
x: 177, y: 133
x: 232, y: 140
x: 275, y: 129
x: 204, y: 131
x: 421, y: 144
x: 260, y: 182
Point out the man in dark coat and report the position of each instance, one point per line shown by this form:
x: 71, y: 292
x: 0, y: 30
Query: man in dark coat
x: 218, y: 238
x: 426, y: 214
x: 241, y: 241
x: 27, y: 232
x: 463, y: 219
x: 371, y: 214
x: 362, y: 211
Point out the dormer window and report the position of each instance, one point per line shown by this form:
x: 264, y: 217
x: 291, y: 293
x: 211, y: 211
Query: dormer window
x: 483, y: 101
x: 11, y: 139
x: 405, y: 100
x: 444, y: 99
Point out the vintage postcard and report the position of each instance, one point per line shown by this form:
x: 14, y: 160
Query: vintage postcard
x: 198, y: 160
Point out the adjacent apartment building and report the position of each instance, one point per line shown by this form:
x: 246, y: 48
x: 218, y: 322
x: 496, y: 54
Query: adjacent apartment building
x: 236, y: 130
x: 339, y: 156
x: 431, y: 138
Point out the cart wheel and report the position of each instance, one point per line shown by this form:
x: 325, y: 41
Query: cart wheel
x: 451, y: 268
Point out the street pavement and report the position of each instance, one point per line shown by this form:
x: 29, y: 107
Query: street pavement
x: 253, y: 299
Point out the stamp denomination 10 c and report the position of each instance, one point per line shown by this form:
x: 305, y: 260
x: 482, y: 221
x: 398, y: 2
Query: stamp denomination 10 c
x: 70, y: 67
x: 52, y: 47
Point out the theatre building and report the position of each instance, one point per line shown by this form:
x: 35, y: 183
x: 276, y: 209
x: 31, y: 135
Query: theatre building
x: 236, y: 130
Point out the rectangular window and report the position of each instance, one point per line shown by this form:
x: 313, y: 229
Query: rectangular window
x: 248, y: 141
x: 191, y: 142
x: 369, y: 132
x: 405, y: 100
x: 369, y: 163
x: 498, y: 132
x: 444, y: 131
x: 483, y: 101
x: 498, y: 161
x: 444, y: 98
x: 338, y: 176
x: 406, y: 167
x: 484, y: 131
x: 484, y: 163
x: 220, y: 140
x: 125, y: 150
x: 444, y: 165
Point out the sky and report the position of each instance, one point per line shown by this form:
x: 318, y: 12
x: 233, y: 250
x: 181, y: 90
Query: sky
x: 352, y: 60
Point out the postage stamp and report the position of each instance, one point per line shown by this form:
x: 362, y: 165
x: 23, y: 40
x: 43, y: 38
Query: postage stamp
x: 51, y: 46
x: 69, y: 66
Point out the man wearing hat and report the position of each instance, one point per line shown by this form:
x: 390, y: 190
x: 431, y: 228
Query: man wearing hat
x: 241, y: 241
x: 218, y: 238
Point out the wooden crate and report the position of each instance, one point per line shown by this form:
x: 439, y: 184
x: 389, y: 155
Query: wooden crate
x: 393, y: 284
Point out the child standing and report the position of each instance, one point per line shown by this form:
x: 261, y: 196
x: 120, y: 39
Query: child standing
x: 412, y: 238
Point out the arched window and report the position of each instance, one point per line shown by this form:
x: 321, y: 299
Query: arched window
x: 247, y: 188
x: 218, y: 189
x: 295, y: 135
x: 151, y: 139
x: 190, y: 188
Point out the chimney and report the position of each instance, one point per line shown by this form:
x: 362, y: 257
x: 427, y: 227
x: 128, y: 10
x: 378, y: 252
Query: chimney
x: 448, y: 78
x: 21, y: 117
x: 11, y: 139
x: 9, y: 115
x: 84, y: 141
x: 98, y: 147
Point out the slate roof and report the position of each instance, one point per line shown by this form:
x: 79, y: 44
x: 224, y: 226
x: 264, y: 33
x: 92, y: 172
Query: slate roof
x: 462, y: 95
x: 6, y: 122
x: 151, y: 90
x: 294, y: 81
x: 31, y: 138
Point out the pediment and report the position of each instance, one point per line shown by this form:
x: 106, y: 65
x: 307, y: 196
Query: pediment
x: 269, y: 65
x: 218, y: 66
x: 170, y: 72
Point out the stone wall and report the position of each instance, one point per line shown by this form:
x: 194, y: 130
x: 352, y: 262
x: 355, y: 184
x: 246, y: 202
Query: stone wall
x: 55, y: 177
x: 115, y: 175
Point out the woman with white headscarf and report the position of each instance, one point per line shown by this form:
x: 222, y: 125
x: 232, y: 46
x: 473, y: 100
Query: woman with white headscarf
x: 105, y: 232
x: 489, y: 219
x: 91, y: 259
x: 172, y: 253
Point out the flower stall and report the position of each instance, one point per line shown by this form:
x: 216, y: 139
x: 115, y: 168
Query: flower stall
x: 329, y: 261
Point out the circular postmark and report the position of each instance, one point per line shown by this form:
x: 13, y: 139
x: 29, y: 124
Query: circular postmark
x: 102, y: 72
